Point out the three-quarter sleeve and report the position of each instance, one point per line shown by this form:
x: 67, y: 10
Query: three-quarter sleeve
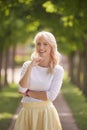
x: 56, y: 84
x: 23, y: 71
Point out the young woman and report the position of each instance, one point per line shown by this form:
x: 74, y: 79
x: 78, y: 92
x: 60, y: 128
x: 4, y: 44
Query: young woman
x: 40, y: 83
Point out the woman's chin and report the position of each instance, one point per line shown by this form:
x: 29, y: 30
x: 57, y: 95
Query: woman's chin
x: 41, y: 55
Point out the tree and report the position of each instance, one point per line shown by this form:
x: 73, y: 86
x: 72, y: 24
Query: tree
x: 65, y: 19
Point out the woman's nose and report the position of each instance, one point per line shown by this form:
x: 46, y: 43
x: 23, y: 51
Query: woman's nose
x: 41, y: 46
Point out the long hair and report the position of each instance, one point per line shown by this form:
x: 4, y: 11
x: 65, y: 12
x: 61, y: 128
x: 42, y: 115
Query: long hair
x: 54, y: 55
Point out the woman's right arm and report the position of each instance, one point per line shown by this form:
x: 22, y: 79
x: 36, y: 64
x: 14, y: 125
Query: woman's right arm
x: 24, y: 81
x: 24, y: 77
x: 25, y: 74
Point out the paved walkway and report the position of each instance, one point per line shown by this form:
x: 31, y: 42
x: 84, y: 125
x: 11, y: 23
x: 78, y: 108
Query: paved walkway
x: 66, y: 118
x: 65, y: 114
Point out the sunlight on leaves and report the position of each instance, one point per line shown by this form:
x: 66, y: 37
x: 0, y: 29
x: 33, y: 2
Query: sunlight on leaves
x: 7, y: 12
x: 25, y: 1
x: 50, y: 7
x: 68, y: 20
x: 32, y: 26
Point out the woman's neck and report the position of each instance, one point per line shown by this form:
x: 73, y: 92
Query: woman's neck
x: 45, y: 63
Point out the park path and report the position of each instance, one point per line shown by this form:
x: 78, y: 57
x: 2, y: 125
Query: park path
x: 65, y: 113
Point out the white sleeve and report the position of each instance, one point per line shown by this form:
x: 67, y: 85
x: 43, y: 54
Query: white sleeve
x: 24, y: 69
x: 56, y: 84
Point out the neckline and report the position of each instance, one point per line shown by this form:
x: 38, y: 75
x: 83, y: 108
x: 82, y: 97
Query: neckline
x: 42, y: 67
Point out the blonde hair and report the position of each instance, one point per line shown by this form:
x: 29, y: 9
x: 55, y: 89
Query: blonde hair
x: 50, y: 39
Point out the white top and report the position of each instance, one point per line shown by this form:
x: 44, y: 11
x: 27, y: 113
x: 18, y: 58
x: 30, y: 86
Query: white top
x: 40, y: 80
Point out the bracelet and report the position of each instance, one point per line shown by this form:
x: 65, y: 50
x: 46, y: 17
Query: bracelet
x: 27, y: 92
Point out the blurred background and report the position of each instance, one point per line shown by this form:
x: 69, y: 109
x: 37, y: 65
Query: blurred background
x: 20, y: 20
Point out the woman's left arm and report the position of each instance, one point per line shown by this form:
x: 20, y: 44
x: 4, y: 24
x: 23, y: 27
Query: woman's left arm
x: 38, y: 94
x: 52, y: 93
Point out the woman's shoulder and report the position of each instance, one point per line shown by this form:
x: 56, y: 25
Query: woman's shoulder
x: 59, y: 68
x: 26, y: 63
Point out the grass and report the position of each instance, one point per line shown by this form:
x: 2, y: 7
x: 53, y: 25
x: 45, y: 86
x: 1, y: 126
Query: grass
x: 9, y: 100
x: 77, y: 103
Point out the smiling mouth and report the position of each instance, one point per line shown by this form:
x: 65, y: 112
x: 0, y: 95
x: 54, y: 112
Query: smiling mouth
x: 41, y: 53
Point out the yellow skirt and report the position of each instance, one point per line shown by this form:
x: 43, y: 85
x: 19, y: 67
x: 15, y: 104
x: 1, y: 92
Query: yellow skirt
x: 38, y: 116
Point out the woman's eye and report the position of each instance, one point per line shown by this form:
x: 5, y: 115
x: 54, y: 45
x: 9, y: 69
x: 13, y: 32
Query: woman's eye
x: 45, y: 44
x: 38, y: 43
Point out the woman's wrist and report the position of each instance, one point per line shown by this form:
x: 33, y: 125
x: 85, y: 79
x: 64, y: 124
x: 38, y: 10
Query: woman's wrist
x: 30, y: 66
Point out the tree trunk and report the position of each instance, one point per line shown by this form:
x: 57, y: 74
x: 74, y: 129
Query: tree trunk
x: 1, y: 57
x: 71, y: 67
x: 13, y: 59
x: 6, y: 66
x: 85, y: 69
x: 79, y: 71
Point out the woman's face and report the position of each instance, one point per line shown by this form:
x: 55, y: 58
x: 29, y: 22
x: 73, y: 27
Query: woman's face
x: 43, y: 48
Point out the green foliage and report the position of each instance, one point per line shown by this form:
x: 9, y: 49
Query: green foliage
x: 66, y: 19
x: 77, y: 103
x: 50, y: 7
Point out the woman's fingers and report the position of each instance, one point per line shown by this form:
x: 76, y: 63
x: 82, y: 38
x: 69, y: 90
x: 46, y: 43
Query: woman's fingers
x: 36, y: 61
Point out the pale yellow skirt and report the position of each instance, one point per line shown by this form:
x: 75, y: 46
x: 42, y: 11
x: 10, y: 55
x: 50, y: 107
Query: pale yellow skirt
x: 38, y: 116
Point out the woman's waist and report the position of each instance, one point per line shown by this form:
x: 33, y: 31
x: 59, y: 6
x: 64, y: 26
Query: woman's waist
x: 33, y: 104
x: 27, y: 99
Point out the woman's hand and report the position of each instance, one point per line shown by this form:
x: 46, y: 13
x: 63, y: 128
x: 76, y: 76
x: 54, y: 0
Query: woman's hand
x: 36, y: 61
